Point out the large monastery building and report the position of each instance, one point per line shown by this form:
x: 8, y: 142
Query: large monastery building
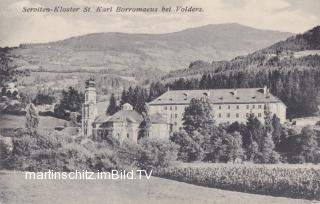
x: 228, y: 105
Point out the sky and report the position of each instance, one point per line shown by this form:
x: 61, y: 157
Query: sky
x: 17, y: 27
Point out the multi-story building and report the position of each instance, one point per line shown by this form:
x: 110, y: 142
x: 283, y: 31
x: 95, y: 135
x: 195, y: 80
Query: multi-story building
x: 228, y: 105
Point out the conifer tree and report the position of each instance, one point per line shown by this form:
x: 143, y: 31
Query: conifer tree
x: 32, y: 118
x: 308, y: 143
x: 112, y: 108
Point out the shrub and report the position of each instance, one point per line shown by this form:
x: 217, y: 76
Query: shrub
x: 189, y: 150
x: 156, y: 153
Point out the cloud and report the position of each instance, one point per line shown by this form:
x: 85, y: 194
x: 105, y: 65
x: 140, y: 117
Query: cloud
x: 17, y: 27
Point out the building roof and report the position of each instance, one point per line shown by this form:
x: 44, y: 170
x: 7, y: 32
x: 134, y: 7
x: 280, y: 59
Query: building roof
x: 101, y: 118
x: 129, y: 116
x: 217, y: 96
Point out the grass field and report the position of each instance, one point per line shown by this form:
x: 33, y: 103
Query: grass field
x: 14, y: 189
x: 13, y: 121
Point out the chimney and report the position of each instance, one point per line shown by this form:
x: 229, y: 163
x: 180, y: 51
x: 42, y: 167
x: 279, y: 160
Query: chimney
x: 186, y: 95
x: 235, y: 92
x: 265, y: 90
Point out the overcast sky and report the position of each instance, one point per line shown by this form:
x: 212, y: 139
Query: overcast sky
x: 17, y: 27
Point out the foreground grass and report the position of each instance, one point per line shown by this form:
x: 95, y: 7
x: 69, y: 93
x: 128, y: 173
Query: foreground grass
x: 15, y: 189
x: 293, y: 181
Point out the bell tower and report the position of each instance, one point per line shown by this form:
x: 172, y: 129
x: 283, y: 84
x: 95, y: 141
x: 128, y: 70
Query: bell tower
x: 89, y: 108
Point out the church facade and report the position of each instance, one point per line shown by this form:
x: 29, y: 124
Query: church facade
x: 124, y: 124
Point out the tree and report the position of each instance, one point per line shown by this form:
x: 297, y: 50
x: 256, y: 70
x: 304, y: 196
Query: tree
x: 144, y: 129
x: 112, y: 108
x: 255, y: 131
x: 308, y: 143
x: 137, y: 97
x: 73, y: 119
x: 268, y: 155
x: 32, y: 118
x: 277, y: 130
x: 268, y: 119
x: 156, y: 153
x: 71, y: 102
x: 189, y: 150
x: 198, y: 116
x: 234, y: 146
x: 156, y: 89
x: 44, y: 98
x: 8, y: 72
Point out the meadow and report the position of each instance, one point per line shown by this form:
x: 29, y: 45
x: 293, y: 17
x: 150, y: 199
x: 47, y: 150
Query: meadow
x: 14, y: 189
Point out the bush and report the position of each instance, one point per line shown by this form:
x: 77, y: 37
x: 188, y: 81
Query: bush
x: 189, y: 150
x: 156, y: 153
x: 6, y: 147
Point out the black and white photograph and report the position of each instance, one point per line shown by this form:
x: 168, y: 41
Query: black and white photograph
x: 159, y: 101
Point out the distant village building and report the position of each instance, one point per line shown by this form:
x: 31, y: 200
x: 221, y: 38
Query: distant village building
x: 10, y: 88
x: 228, y: 105
x: 124, y: 124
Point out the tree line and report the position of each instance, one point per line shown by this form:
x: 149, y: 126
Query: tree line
x: 201, y: 139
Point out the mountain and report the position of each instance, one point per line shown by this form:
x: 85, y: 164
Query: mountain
x: 290, y: 68
x: 293, y: 50
x: 124, y: 53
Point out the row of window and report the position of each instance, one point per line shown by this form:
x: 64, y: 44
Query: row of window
x: 220, y: 107
x: 247, y: 106
x: 174, y: 115
x: 237, y: 115
x: 170, y: 108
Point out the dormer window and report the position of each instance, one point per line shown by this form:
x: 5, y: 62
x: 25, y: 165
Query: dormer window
x: 207, y: 93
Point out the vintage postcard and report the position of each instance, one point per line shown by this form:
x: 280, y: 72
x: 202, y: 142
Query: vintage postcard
x: 159, y: 101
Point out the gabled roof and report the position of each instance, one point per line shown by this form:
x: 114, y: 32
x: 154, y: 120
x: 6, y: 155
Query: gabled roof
x: 101, y: 118
x: 217, y: 96
x: 129, y: 116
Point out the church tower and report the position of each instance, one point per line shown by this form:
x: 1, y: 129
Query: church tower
x: 89, y: 108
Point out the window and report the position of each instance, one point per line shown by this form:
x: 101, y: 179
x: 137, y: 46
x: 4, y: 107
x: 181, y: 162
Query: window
x: 247, y: 106
x: 259, y: 106
x: 237, y: 106
x: 170, y: 107
x: 175, y: 123
x: 228, y: 115
x: 176, y: 115
x: 253, y: 106
x: 128, y: 136
x: 165, y: 108
x: 247, y: 115
x: 259, y: 115
x: 219, y: 107
x: 228, y: 106
x: 237, y: 115
x: 219, y: 115
x: 176, y: 108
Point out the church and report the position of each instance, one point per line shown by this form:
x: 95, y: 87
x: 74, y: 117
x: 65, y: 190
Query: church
x: 124, y: 124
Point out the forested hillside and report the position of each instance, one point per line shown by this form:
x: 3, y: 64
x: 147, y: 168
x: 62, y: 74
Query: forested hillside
x: 292, y: 74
